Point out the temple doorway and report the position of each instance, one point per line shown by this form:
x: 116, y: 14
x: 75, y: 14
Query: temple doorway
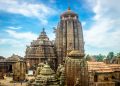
x: 10, y: 68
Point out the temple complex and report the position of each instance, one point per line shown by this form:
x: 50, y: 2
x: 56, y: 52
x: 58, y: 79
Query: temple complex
x: 61, y: 63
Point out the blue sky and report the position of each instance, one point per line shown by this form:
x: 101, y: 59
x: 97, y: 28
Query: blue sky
x: 21, y: 21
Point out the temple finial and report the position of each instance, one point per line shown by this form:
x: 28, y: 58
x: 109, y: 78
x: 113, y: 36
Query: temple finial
x: 43, y: 29
x: 68, y: 8
x: 68, y: 5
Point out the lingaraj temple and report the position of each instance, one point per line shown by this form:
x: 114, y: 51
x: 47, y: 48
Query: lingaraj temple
x: 62, y: 62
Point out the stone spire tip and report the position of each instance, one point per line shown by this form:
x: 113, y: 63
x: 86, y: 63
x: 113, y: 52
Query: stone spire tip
x: 43, y: 29
x: 69, y: 9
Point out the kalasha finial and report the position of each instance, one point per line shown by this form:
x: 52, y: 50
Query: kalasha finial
x: 43, y: 29
x: 68, y: 8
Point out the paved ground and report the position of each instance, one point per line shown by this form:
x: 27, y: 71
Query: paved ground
x: 6, y: 82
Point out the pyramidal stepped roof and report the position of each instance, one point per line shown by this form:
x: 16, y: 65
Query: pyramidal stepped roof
x: 43, y: 35
x: 41, y: 40
x: 46, y: 70
x: 14, y: 58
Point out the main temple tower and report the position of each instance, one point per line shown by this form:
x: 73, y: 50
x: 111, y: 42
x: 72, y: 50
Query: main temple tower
x: 69, y: 35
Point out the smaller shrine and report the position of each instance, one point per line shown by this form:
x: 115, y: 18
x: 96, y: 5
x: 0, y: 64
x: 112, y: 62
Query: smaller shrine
x: 6, y: 65
x: 76, y: 69
x: 45, y: 77
x: 41, y: 50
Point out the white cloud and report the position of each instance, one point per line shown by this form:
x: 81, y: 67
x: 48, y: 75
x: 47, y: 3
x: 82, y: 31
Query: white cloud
x: 14, y: 28
x: 52, y: 1
x: 18, y: 39
x: 83, y: 23
x: 13, y: 46
x: 105, y: 31
x: 15, y: 42
x: 40, y: 11
x: 21, y: 35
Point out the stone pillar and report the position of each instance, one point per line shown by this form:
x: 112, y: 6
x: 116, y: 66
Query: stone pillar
x: 19, y: 71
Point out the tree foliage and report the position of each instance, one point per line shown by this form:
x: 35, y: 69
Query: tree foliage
x: 110, y: 55
x: 118, y: 55
x: 99, y: 57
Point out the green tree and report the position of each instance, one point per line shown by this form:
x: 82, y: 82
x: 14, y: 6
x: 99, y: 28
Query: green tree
x: 99, y: 57
x: 110, y: 55
x: 118, y: 55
